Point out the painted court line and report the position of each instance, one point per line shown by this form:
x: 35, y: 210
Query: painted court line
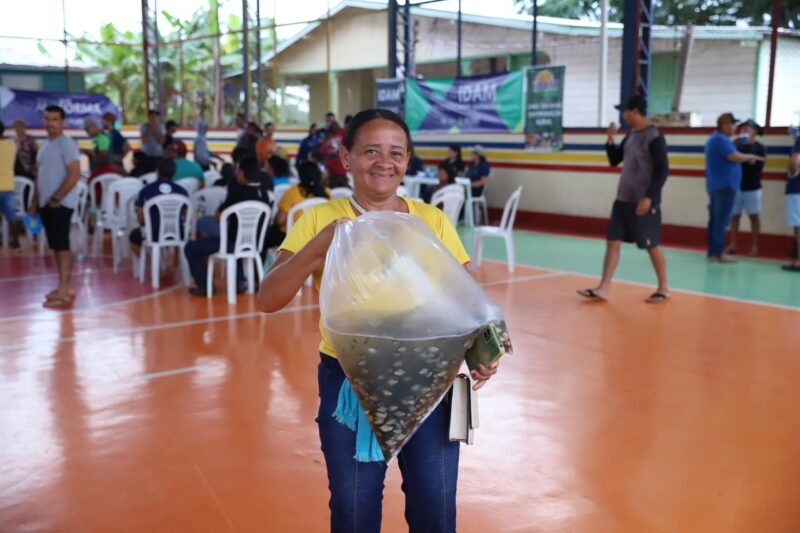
x: 671, y: 290
x: 53, y: 275
x: 51, y: 314
x: 109, y: 333
x: 174, y: 372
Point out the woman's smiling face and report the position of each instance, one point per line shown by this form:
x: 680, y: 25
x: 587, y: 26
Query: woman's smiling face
x: 378, y: 159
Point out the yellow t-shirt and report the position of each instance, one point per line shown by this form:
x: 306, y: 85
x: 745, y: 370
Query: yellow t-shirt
x: 8, y: 153
x: 315, y: 219
x: 292, y: 197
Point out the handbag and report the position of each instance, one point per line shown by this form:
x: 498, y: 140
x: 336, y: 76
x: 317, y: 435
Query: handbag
x: 464, y: 419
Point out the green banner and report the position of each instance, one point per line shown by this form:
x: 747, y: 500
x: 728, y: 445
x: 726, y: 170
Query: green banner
x: 544, y: 101
x: 476, y: 104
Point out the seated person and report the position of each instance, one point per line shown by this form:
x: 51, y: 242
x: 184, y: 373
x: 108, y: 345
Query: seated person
x: 447, y: 176
x: 183, y: 167
x: 310, y: 186
x: 278, y: 168
x: 227, y: 175
x: 478, y: 171
x: 141, y: 165
x: 248, y: 185
x: 165, y: 169
x: 335, y: 173
x: 415, y: 165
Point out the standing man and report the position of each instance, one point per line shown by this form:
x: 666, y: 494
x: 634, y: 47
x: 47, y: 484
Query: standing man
x: 101, y: 143
x: 240, y: 126
x: 636, y: 215
x: 120, y: 147
x: 8, y: 200
x: 266, y: 144
x: 723, y: 179
x: 56, y: 196
x: 153, y: 136
x: 748, y: 198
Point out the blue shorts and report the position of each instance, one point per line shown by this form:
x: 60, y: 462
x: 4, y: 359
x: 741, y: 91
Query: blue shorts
x: 8, y: 205
x: 793, y: 210
x: 749, y: 201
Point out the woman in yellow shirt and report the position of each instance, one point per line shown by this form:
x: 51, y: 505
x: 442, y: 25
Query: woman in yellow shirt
x: 310, y: 186
x: 376, y: 150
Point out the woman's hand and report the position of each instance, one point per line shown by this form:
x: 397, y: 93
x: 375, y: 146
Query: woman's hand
x: 322, y: 240
x: 482, y: 373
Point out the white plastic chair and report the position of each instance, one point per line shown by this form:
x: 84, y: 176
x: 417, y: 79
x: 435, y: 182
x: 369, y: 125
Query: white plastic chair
x: 402, y: 191
x: 103, y: 181
x: 79, y: 216
x: 341, y: 192
x: 23, y: 189
x: 190, y: 185
x: 448, y: 189
x: 299, y: 209
x: 480, y: 203
x: 211, y: 176
x: 132, y: 222
x: 148, y: 178
x: 504, y: 230
x: 174, y: 217
x: 207, y: 201
x: 279, y: 191
x: 469, y: 218
x: 119, y: 194
x: 451, y: 203
x: 252, y: 221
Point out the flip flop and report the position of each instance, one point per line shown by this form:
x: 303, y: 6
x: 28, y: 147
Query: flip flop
x: 591, y: 294
x: 657, y: 298
x: 58, y: 302
x: 791, y: 268
x: 54, y: 294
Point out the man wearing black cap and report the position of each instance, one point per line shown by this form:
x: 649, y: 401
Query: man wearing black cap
x: 636, y: 215
x: 723, y: 179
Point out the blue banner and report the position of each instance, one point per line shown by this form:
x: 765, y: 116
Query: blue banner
x: 477, y: 104
x: 390, y: 95
x: 29, y: 106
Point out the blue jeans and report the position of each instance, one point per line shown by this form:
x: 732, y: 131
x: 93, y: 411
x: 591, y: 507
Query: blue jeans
x: 720, y: 208
x: 8, y: 205
x: 428, y: 464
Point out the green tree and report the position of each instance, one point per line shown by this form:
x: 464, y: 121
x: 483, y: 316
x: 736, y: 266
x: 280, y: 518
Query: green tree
x: 121, y: 59
x: 672, y: 12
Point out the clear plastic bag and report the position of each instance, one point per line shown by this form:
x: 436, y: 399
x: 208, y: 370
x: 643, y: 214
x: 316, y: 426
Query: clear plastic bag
x: 400, y: 313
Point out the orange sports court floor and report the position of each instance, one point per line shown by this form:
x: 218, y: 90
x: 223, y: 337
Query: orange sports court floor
x: 142, y: 410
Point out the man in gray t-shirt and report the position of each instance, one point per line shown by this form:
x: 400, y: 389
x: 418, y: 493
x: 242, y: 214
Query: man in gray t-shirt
x: 636, y: 215
x: 152, y: 134
x: 55, y: 197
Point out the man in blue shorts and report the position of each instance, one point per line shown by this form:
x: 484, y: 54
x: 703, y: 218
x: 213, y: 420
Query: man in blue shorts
x: 636, y: 215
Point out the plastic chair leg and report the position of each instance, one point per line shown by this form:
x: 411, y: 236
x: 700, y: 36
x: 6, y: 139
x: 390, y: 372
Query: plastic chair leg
x: 230, y: 274
x: 509, y: 238
x: 185, y: 274
x: 5, y: 232
x: 155, y: 266
x: 210, y: 277
x: 249, y: 272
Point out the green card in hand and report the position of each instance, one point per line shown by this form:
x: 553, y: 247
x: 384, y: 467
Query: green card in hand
x: 487, y: 347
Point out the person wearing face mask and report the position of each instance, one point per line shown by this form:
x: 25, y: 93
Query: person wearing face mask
x: 723, y: 179
x: 748, y: 197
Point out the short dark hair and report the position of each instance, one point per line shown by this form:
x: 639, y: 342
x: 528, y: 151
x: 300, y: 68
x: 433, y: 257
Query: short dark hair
x: 238, y: 153
x: 52, y: 108
x: 240, y: 115
x: 268, y: 124
x: 165, y: 168
x: 171, y: 124
x: 154, y: 112
x: 138, y: 156
x: 347, y: 119
x: 329, y: 114
x: 451, y: 171
x: 249, y: 166
x: 456, y: 148
x: 280, y: 166
x: 368, y: 115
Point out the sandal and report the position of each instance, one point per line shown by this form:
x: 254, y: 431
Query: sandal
x: 52, y: 295
x: 657, y: 298
x: 592, y: 294
x: 57, y: 302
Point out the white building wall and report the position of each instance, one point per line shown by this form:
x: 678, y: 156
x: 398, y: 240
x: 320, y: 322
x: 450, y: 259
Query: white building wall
x: 786, y: 93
